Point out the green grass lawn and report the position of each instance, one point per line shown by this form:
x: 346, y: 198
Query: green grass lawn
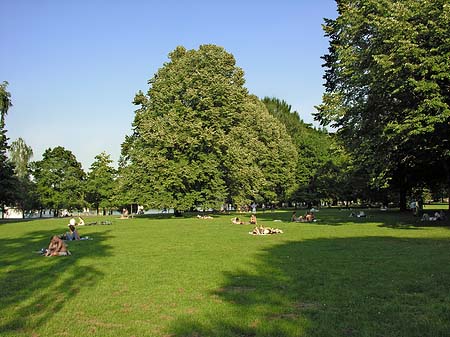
x: 386, y: 275
x: 436, y: 206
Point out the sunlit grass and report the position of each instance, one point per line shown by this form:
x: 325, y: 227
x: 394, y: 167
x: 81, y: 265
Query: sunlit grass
x: 435, y: 206
x: 385, y: 275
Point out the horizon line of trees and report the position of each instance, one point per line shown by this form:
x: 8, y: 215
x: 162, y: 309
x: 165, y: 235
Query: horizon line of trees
x: 201, y: 140
x: 58, y: 182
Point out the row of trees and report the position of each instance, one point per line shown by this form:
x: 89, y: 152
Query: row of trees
x: 200, y: 139
x: 56, y: 182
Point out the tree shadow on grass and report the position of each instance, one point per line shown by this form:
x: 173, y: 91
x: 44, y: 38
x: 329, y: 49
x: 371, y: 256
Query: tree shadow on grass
x: 367, y: 286
x: 33, y: 287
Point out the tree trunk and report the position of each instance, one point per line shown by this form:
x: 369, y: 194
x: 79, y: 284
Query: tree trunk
x: 402, y: 199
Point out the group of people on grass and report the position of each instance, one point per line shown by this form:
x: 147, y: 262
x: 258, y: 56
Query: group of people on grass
x: 258, y: 230
x: 360, y: 214
x: 308, y: 217
x: 58, y: 246
x: 261, y: 230
x: 437, y: 216
x: 238, y: 221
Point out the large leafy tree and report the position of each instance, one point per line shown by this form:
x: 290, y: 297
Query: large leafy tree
x: 7, y: 179
x: 388, y: 87
x: 261, y: 157
x: 178, y: 155
x: 20, y: 155
x: 100, y: 182
x: 59, y: 180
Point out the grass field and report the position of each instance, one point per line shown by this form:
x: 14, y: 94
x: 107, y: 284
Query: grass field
x: 386, y: 275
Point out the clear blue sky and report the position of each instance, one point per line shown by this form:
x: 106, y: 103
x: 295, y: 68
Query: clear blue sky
x: 74, y: 66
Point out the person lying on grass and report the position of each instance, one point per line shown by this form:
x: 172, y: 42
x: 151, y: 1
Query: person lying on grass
x: 204, y: 217
x: 237, y: 221
x: 261, y: 230
x: 57, y: 247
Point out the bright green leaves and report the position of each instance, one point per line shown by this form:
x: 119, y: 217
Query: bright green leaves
x: 200, y: 140
x: 388, y: 84
x: 59, y: 179
x: 100, y: 182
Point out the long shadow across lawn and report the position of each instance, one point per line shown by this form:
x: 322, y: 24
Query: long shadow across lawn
x: 364, y: 286
x: 34, y: 287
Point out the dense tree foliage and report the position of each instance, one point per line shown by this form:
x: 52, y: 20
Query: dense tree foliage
x: 20, y: 155
x: 261, y: 158
x: 59, y: 180
x: 321, y: 162
x: 100, y: 182
x: 7, y: 179
x: 197, y: 134
x: 387, y: 87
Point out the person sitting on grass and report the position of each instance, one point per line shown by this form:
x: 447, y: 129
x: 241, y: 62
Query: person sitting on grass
x: 361, y: 214
x: 295, y: 219
x: 57, y: 247
x: 72, y: 222
x: 309, y: 217
x: 124, y: 214
x: 253, y: 219
x: 72, y: 234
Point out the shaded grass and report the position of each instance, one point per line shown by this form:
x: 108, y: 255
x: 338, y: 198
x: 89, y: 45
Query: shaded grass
x: 162, y: 276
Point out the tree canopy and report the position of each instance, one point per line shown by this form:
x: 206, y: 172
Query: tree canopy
x: 7, y: 179
x: 100, y: 182
x: 59, y: 179
x: 20, y: 155
x: 187, y: 148
x: 387, y: 87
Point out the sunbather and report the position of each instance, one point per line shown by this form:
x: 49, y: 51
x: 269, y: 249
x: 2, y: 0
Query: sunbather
x: 261, y: 230
x: 57, y: 247
x: 309, y: 216
x: 237, y: 221
x: 204, y: 217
